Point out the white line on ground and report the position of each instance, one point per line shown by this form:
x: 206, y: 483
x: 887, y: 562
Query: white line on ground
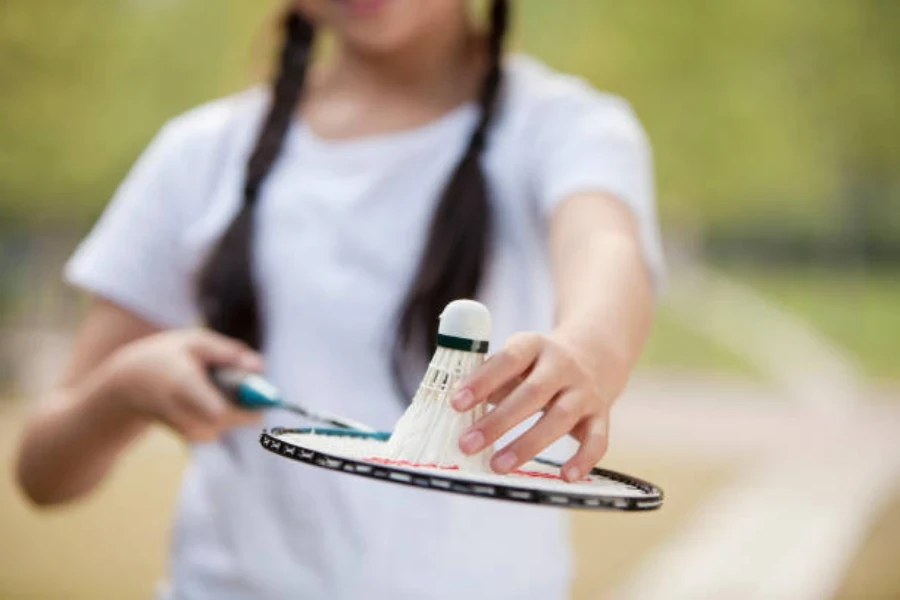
x: 786, y: 530
x: 817, y: 470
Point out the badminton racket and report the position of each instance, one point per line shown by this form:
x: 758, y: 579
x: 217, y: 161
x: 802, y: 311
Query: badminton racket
x: 352, y: 447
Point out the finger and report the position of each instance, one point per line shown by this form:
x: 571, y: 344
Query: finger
x: 594, y: 442
x: 514, y: 360
x: 501, y: 394
x: 237, y: 417
x: 201, y: 427
x: 201, y: 434
x: 215, y: 349
x: 199, y: 396
x: 197, y: 391
x: 188, y: 423
x: 527, y: 399
x: 559, y: 420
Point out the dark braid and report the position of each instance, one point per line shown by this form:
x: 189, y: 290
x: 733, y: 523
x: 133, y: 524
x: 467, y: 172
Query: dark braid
x: 227, y: 292
x: 453, y: 262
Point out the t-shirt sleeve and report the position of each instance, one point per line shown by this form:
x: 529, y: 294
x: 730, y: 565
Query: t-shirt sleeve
x: 591, y: 142
x: 134, y: 256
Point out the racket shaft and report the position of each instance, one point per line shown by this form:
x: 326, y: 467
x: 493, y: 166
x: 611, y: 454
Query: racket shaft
x: 341, y: 422
x: 251, y: 391
x: 326, y: 418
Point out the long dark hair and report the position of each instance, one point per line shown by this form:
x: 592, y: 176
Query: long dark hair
x: 453, y: 261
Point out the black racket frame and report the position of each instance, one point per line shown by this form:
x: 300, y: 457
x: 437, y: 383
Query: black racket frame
x: 651, y: 499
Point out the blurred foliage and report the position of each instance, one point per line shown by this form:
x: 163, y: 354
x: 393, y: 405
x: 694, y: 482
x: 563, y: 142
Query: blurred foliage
x: 761, y: 111
x: 858, y: 313
x: 86, y: 84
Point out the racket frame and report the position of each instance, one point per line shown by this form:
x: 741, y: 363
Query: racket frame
x: 652, y: 499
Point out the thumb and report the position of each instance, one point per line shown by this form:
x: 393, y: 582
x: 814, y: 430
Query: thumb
x: 213, y: 348
x: 237, y: 417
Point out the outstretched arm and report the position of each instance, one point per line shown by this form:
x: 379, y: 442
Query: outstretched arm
x: 573, y: 375
x: 603, y: 288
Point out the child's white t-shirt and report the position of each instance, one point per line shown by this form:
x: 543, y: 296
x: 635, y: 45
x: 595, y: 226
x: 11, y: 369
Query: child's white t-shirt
x: 341, y: 225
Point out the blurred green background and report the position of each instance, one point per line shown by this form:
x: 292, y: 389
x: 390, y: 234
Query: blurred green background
x: 775, y: 128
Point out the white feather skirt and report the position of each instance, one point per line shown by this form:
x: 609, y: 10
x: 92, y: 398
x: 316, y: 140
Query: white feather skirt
x: 428, y: 432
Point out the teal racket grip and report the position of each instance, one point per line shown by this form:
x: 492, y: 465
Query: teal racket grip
x: 247, y: 390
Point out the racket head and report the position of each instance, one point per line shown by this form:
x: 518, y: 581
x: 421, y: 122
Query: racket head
x: 537, y: 482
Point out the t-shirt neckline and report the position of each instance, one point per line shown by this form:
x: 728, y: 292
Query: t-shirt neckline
x: 301, y: 133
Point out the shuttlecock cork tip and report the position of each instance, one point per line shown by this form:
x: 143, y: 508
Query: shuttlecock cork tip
x: 466, y: 319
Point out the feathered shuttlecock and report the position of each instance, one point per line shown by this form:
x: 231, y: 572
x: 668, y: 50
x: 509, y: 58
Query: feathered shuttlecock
x: 429, y: 430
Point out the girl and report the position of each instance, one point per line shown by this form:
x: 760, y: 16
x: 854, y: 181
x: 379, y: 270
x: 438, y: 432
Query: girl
x: 325, y: 223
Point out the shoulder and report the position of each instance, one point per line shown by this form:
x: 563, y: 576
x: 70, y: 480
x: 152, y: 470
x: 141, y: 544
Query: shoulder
x: 215, y: 126
x: 190, y: 157
x: 196, y: 151
x: 541, y: 101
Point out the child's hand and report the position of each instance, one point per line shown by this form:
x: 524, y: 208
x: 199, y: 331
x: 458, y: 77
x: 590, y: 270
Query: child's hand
x: 165, y: 378
x: 535, y: 373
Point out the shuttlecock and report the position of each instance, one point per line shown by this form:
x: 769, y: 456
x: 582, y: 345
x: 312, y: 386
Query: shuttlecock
x: 429, y: 430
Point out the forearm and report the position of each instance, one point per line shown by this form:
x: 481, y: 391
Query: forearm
x: 604, y: 296
x: 74, y: 439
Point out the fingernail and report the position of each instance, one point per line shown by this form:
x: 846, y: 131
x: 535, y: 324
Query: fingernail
x: 572, y: 474
x: 463, y: 400
x: 504, y: 462
x: 471, y: 441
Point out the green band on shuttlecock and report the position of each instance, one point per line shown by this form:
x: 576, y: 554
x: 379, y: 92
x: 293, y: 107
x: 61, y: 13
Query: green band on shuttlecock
x: 464, y: 344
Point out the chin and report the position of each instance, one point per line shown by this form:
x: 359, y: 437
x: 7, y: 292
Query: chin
x: 383, y: 42
x: 383, y: 27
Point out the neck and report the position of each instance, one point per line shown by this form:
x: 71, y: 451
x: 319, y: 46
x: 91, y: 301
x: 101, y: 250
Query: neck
x: 441, y: 69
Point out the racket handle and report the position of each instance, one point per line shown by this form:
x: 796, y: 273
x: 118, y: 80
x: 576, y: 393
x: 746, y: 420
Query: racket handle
x: 244, y: 389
